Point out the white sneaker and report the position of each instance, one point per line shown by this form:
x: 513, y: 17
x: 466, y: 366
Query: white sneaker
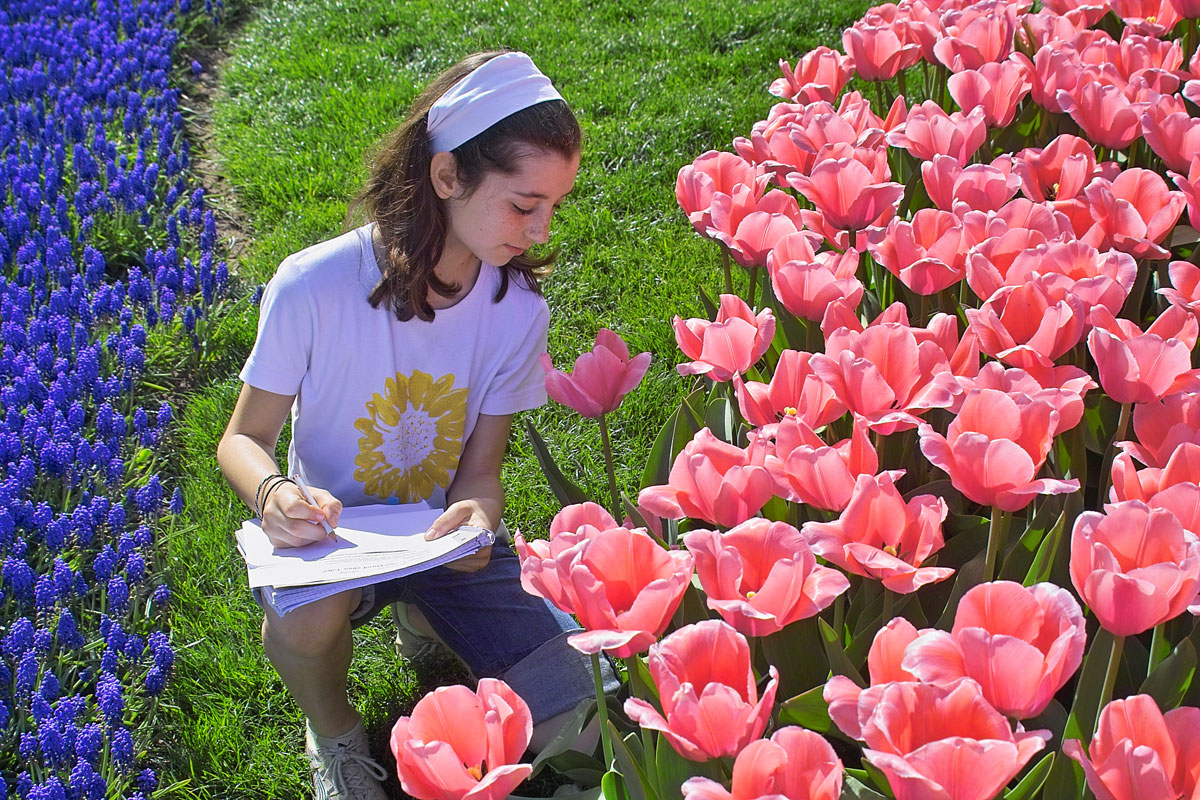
x: 343, y: 768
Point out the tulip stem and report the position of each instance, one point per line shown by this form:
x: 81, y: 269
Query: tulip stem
x: 1110, y: 675
x: 725, y: 266
x: 888, y: 597
x: 638, y: 689
x: 614, y: 496
x: 879, y: 95
x: 753, y: 286
x: 1158, y: 647
x: 1106, y: 470
x: 602, y: 712
x: 1132, y: 309
x: 997, y: 533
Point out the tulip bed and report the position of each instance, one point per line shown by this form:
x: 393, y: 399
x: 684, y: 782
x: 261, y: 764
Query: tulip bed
x: 106, y: 262
x: 926, y: 526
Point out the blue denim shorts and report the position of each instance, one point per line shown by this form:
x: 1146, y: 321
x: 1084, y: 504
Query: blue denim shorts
x: 499, y: 630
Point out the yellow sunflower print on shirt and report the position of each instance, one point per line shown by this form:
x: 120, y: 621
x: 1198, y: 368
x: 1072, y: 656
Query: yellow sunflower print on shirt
x: 412, y: 437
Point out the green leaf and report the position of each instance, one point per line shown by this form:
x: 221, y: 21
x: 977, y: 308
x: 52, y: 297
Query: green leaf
x: 1021, y: 554
x: 1033, y: 780
x: 1169, y: 682
x: 673, y: 769
x: 1043, y: 561
x: 658, y: 462
x: 719, y: 419
x: 566, y: 491
x: 578, y: 767
x: 629, y: 767
x: 797, y: 652
x: 808, y: 710
x: 567, y: 734
x: 854, y: 788
x: 969, y: 575
x: 710, y: 305
x: 612, y: 787
x: 839, y: 664
x: 1066, y: 776
x: 1100, y: 417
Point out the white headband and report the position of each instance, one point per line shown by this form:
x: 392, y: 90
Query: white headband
x: 498, y: 88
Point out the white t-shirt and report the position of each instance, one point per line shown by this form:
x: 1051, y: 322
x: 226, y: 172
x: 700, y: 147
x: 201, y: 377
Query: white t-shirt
x: 383, y: 407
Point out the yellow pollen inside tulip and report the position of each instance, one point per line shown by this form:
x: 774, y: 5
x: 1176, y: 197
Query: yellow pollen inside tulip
x: 475, y: 772
x: 1151, y: 19
x: 1054, y: 189
x: 750, y: 595
x: 791, y: 412
x: 890, y: 550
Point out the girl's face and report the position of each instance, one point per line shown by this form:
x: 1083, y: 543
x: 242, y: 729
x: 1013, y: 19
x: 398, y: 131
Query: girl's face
x: 506, y: 214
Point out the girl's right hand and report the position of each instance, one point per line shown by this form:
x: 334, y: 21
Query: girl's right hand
x: 291, y: 521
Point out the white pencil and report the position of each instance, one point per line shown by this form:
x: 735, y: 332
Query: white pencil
x: 308, y: 495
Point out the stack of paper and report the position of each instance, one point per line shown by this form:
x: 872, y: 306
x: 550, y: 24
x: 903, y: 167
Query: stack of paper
x: 374, y: 544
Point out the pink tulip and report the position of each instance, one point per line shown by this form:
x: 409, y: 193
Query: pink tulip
x: 1104, y: 112
x: 884, y: 664
x: 713, y: 481
x: 1098, y: 279
x: 820, y: 74
x: 996, y: 87
x: 994, y: 449
x: 540, y: 575
x: 807, y: 282
x: 929, y: 131
x: 625, y: 589
x: 794, y: 763
x: 926, y: 254
x: 1020, y: 644
x: 1036, y: 30
x: 1184, y: 290
x: 1056, y: 68
x: 1174, y: 138
x: 710, y: 704
x: 750, y: 225
x: 806, y: 470
x: 601, y: 378
x: 886, y: 377
x: 711, y: 173
x: 1140, y: 752
x: 884, y: 537
x: 761, y: 576
x: 1138, y: 53
x: 1062, y: 387
x: 1133, y: 213
x: 1058, y: 171
x: 729, y: 345
x: 942, y: 741
x: 1189, y: 187
x: 1135, y: 567
x: 988, y: 262
x: 1137, y: 367
x: 985, y: 38
x: 981, y: 187
x: 1188, y: 9
x: 846, y: 193
x: 1092, y: 11
x: 1157, y: 486
x: 1026, y: 327
x: 463, y: 745
x: 1152, y: 17
x: 878, y: 51
x: 794, y: 390
x: 1162, y: 426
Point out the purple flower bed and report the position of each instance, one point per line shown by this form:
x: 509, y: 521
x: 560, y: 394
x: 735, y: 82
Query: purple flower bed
x: 103, y: 239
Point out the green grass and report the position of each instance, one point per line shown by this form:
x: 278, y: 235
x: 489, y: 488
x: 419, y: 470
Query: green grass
x: 310, y: 86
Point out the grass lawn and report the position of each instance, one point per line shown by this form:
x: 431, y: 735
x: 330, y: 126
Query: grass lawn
x: 309, y: 87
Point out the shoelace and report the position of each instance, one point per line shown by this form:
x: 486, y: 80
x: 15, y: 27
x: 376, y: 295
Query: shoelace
x: 348, y: 769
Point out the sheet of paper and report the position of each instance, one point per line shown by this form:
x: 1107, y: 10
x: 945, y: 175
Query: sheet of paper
x: 371, y: 540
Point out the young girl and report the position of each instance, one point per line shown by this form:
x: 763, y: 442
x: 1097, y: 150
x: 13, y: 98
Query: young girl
x: 402, y: 349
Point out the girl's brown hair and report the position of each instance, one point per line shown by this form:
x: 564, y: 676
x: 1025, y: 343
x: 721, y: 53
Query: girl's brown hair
x: 410, y: 217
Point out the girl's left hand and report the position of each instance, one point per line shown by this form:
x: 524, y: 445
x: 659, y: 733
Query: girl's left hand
x: 476, y: 511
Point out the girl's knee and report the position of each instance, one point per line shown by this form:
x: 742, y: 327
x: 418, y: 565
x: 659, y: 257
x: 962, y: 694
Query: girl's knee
x: 313, y: 628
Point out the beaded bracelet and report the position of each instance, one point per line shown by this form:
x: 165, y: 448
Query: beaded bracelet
x: 258, y: 491
x: 267, y: 494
